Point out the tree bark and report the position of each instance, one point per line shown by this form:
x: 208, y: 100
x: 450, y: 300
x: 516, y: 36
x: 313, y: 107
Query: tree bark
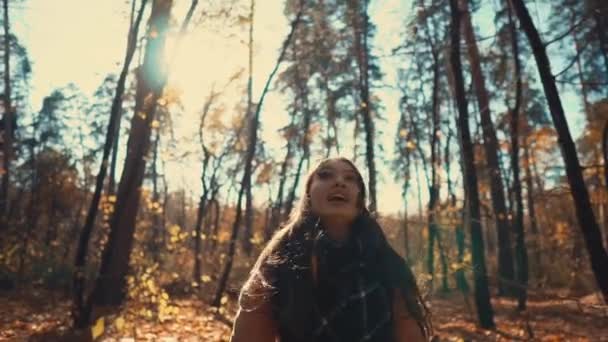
x: 406, y: 232
x: 114, y: 159
x: 81, y: 309
x: 444, y: 261
x: 216, y: 222
x: 485, y: 313
x: 362, y: 52
x: 110, y: 285
x: 305, y: 148
x: 275, y: 213
x: 203, y: 201
x: 156, y: 227
x: 505, y: 254
x: 605, y: 153
x: 600, y: 14
x: 248, y: 231
x: 521, y: 253
x: 7, y: 119
x: 532, y: 213
x: 586, y: 217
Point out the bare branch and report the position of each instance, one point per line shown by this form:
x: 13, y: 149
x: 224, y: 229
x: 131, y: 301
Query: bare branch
x: 568, y: 32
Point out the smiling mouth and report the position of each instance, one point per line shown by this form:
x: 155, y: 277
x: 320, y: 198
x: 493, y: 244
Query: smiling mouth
x: 337, y: 199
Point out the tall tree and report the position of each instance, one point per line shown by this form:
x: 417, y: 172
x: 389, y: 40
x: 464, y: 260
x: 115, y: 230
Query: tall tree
x: 151, y: 78
x: 401, y: 168
x: 203, y: 201
x: 248, y: 231
x: 7, y: 119
x: 82, y: 309
x: 586, y: 217
x: 505, y: 254
x: 521, y: 253
x: 485, y: 313
x: 422, y: 104
x: 361, y: 27
x: 252, y: 143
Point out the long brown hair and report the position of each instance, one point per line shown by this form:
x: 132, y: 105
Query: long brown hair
x: 299, y: 231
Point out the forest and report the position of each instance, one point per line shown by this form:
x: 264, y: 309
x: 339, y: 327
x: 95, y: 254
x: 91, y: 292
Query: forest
x: 149, y: 149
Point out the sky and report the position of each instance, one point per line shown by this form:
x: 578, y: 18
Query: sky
x: 81, y: 41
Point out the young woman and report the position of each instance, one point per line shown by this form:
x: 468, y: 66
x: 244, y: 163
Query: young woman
x: 329, y: 274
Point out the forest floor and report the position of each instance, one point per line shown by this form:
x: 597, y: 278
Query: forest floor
x: 42, y: 316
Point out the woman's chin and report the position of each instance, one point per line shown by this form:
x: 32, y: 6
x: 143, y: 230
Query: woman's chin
x: 338, y: 216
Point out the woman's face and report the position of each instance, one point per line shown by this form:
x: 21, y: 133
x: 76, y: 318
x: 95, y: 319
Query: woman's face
x: 334, y: 192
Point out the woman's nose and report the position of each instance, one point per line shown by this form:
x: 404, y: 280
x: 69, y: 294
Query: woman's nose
x: 340, y: 181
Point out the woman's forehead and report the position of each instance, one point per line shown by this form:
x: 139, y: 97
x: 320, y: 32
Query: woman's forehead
x: 337, y: 165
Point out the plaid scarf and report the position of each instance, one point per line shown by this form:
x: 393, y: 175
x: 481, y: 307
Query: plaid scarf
x: 349, y: 301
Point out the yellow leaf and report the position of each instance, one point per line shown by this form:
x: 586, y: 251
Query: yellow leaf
x: 120, y: 323
x: 224, y: 300
x: 98, y: 328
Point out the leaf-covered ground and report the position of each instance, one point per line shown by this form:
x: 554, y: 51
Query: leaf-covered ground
x: 41, y: 316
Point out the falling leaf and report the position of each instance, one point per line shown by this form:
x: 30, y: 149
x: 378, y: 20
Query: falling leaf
x: 98, y: 328
x: 120, y: 323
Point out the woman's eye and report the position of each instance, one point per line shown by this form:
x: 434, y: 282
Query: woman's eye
x: 324, y: 174
x: 350, y: 178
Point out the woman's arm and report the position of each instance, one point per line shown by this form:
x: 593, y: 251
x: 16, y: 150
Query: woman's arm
x: 407, y: 329
x: 256, y: 325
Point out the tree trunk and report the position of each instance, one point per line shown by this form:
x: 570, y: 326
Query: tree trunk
x: 305, y: 147
x: 521, y: 253
x: 202, y: 208
x: 52, y: 221
x: 461, y: 280
x: 248, y: 231
x: 444, y: 261
x: 154, y: 240
x: 434, y: 186
x: 31, y: 222
x: 532, y: 213
x: 82, y: 310
x: 406, y: 233
x: 505, y: 254
x: 275, y: 213
x: 7, y: 119
x: 200, y: 214
x: 485, y: 313
x: 113, y: 161
x: 110, y: 285
x: 362, y: 52
x: 605, y: 153
x: 599, y: 15
x: 586, y: 218
x: 253, y: 134
x: 216, y: 222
